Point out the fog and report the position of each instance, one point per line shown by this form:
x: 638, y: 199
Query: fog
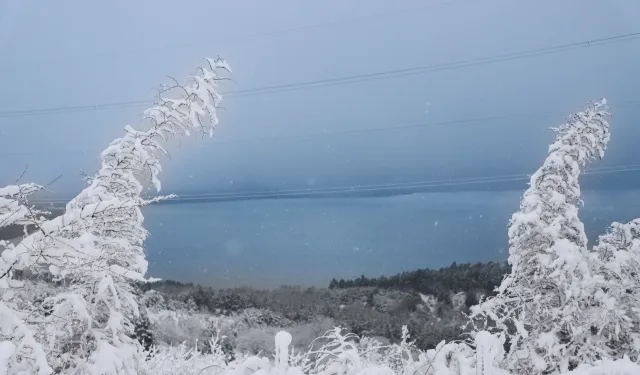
x: 78, y: 53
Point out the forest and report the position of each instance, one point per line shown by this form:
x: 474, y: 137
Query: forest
x: 465, y: 277
x: 431, y: 303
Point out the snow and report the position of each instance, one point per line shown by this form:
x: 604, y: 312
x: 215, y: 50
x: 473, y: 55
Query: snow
x: 283, y: 340
x: 552, y: 282
x: 7, y: 350
x: 342, y: 356
x: 608, y: 367
x: 562, y: 305
x: 97, y: 243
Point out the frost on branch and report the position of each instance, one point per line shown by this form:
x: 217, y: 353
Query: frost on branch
x: 19, y: 350
x: 97, y: 244
x: 14, y: 210
x: 616, y: 262
x: 542, y: 306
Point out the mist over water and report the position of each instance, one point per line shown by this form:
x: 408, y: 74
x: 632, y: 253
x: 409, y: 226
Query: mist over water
x: 266, y: 243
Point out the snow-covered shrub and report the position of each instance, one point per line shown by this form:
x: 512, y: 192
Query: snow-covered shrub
x: 182, y: 327
x: 345, y: 354
x: 607, y: 367
x: 458, y: 300
x: 262, y: 318
x: 616, y: 262
x: 21, y: 349
x: 97, y: 245
x: 489, y: 354
x: 185, y: 360
x: 259, y: 339
x: 154, y: 300
x: 543, y: 306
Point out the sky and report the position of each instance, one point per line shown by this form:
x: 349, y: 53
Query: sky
x: 78, y: 53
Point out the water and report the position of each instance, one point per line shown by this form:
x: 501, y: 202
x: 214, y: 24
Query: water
x: 266, y: 243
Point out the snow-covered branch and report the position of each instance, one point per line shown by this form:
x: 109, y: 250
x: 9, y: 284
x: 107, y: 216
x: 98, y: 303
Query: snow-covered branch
x: 97, y: 244
x: 616, y: 263
x: 543, y: 305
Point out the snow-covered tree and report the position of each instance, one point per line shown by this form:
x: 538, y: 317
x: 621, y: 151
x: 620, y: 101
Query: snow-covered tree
x: 97, y: 244
x: 616, y: 262
x: 543, y: 305
x: 20, y: 351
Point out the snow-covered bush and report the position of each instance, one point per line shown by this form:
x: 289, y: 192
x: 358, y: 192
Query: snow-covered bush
x: 616, y: 262
x: 97, y: 245
x: 259, y: 339
x: 154, y: 300
x: 346, y: 354
x: 543, y: 306
x: 337, y: 352
x: 607, y: 367
x: 21, y: 349
x: 262, y: 318
x: 185, y: 360
x: 182, y: 327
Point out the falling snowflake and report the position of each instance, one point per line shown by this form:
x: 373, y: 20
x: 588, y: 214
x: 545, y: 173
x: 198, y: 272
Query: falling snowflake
x: 428, y: 104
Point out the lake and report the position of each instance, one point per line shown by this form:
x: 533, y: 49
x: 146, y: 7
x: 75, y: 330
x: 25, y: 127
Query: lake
x: 266, y: 243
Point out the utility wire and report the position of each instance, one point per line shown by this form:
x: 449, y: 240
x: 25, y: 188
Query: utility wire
x: 379, y: 187
x: 321, y: 135
x: 348, y: 79
x: 394, y: 186
x: 434, y: 68
x: 485, y: 119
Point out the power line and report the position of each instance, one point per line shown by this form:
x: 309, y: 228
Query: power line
x: 73, y: 109
x: 395, y: 73
x: 396, y: 186
x: 410, y: 126
x: 380, y: 187
x: 316, y: 135
x: 347, y: 189
x: 350, y: 132
x: 436, y: 67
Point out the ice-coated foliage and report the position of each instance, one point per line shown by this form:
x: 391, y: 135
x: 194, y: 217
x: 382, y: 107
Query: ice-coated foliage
x: 97, y: 243
x: 346, y: 354
x: 562, y: 309
x: 15, y: 210
x: 608, y: 367
x: 20, y: 351
x: 543, y: 305
x: 616, y: 263
x: 181, y: 359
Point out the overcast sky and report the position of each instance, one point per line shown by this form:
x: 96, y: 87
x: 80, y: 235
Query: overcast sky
x: 76, y: 53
